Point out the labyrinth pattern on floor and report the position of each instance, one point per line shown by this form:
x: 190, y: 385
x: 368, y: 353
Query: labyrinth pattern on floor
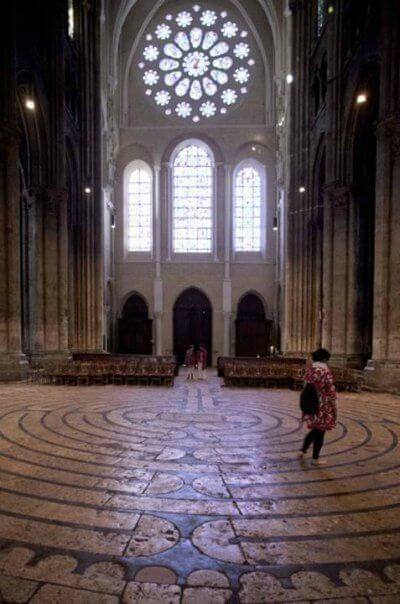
x: 194, y: 494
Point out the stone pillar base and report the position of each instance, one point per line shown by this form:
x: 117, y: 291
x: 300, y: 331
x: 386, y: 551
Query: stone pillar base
x: 13, y: 367
x: 47, y: 359
x: 354, y: 361
x: 383, y: 375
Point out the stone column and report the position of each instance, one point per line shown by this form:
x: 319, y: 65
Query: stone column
x: 227, y: 285
x: 158, y: 284
x: 384, y: 368
x: 12, y: 361
x: 336, y: 315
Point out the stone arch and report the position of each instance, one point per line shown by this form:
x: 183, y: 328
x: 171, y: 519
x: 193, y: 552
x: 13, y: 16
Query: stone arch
x: 253, y: 330
x: 135, y: 326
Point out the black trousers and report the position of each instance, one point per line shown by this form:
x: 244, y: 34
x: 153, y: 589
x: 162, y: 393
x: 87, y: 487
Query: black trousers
x: 316, y: 438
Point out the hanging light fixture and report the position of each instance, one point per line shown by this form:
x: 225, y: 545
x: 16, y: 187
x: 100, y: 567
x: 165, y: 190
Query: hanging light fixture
x: 30, y: 104
x: 361, y: 98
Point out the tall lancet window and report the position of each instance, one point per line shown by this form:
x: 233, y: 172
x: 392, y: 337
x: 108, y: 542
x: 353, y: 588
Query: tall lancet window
x: 192, y: 199
x: 320, y: 16
x: 139, y: 201
x: 71, y: 19
x: 249, y: 207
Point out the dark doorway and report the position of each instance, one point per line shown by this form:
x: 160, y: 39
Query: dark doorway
x: 253, y: 332
x: 192, y: 323
x: 135, y: 327
x: 364, y: 193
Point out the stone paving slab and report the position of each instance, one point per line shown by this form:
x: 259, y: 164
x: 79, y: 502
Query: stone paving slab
x: 194, y: 495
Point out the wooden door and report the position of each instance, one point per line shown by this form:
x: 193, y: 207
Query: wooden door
x: 192, y: 323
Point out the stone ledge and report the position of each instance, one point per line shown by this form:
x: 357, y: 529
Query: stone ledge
x: 383, y: 376
x: 13, y: 367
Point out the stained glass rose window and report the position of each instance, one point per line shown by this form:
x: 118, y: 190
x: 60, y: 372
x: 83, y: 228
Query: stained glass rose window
x: 197, y: 64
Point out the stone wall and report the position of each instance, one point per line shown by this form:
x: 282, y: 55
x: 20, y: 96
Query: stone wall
x: 51, y: 288
x: 341, y: 277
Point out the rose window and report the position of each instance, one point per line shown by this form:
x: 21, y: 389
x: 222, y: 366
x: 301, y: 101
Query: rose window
x: 197, y: 64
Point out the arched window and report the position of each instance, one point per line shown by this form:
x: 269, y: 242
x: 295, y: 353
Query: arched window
x: 139, y: 207
x: 71, y: 19
x: 320, y: 16
x: 249, y: 207
x: 192, y: 199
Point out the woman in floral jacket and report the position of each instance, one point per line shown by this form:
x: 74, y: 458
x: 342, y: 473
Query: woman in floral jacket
x: 321, y: 377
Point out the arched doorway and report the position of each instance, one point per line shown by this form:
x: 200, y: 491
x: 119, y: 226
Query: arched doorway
x: 253, y: 331
x: 192, y: 323
x: 135, y: 327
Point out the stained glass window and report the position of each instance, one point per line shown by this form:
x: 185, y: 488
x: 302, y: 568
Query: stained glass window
x: 320, y: 16
x: 192, y: 181
x: 197, y: 64
x: 71, y: 19
x: 248, y: 210
x: 140, y: 208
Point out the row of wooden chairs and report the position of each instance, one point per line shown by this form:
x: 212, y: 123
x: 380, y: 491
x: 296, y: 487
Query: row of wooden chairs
x: 223, y: 362
x: 103, y: 373
x: 282, y: 375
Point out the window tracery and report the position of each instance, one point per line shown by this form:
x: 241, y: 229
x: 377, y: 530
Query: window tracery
x: 139, y: 183
x: 192, y: 203
x: 197, y: 64
x: 248, y: 208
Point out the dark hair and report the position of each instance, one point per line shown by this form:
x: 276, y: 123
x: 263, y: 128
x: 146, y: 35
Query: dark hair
x: 321, y: 355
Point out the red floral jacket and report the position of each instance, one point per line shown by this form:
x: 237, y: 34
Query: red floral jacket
x: 321, y: 376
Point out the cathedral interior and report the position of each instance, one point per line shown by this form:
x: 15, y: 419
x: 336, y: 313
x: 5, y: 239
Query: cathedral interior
x: 221, y: 173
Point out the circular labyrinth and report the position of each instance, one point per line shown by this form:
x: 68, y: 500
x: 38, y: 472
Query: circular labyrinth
x: 194, y: 494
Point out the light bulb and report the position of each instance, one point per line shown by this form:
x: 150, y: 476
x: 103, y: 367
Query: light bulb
x: 30, y: 104
x: 302, y: 189
x: 361, y: 98
x: 289, y: 78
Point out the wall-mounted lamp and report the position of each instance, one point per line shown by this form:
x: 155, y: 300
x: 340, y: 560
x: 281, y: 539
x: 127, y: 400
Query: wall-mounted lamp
x: 87, y: 190
x: 361, y: 98
x: 289, y: 78
x: 30, y: 104
x: 113, y: 221
x: 275, y: 225
x: 302, y: 189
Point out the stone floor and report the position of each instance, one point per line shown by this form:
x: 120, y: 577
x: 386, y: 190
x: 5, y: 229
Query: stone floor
x: 194, y: 495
